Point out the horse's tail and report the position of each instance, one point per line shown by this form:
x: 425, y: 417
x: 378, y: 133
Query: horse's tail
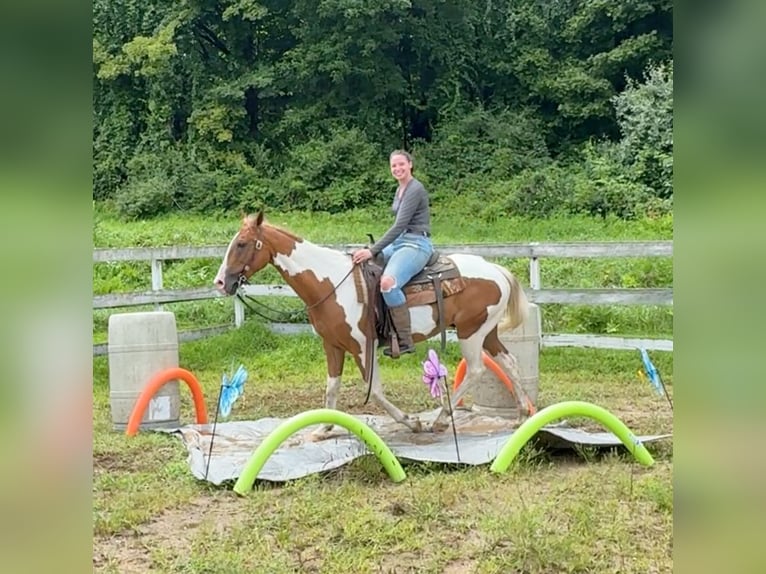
x: 518, y: 305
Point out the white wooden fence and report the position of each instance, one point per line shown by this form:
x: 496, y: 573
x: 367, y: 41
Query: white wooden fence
x: 534, y: 252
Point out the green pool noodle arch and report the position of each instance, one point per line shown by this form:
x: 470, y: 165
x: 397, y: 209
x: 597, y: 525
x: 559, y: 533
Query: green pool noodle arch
x: 317, y: 416
x: 529, y: 428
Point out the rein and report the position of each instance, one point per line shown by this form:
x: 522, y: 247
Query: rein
x: 242, y: 280
x: 287, y: 316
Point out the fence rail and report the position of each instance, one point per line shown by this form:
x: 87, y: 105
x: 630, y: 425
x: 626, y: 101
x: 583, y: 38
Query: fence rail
x: 532, y: 251
x: 539, y: 296
x: 588, y: 249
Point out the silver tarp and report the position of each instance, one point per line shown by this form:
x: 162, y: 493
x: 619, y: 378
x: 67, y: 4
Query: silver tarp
x: 480, y: 439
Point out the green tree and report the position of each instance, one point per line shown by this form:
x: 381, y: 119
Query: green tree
x: 220, y: 100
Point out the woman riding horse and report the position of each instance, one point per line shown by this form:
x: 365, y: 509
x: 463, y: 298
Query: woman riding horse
x: 405, y: 248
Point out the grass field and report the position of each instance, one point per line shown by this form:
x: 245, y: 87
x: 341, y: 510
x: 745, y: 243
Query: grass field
x: 581, y: 512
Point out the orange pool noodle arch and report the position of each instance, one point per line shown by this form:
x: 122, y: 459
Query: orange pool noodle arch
x: 154, y: 385
x: 498, y: 372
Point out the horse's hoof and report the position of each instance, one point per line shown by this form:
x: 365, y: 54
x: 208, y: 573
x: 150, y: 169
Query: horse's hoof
x: 414, y: 424
x: 439, y: 426
x: 526, y: 412
x: 322, y: 433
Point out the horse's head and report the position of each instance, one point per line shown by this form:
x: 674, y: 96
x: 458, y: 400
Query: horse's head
x: 247, y: 253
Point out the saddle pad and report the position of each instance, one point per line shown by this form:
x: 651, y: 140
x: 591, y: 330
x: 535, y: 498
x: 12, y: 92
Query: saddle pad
x: 425, y: 294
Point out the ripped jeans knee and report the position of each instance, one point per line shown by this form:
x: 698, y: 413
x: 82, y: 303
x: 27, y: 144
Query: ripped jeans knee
x: 392, y: 294
x: 404, y: 259
x: 387, y: 282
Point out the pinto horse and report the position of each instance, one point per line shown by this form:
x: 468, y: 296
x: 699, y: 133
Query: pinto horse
x: 492, y: 301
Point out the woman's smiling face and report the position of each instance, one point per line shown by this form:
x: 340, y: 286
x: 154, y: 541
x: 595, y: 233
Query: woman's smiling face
x: 401, y: 168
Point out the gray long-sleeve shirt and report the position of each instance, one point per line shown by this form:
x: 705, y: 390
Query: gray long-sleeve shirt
x: 412, y: 214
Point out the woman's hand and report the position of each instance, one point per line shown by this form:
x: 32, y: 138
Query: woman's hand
x: 361, y: 255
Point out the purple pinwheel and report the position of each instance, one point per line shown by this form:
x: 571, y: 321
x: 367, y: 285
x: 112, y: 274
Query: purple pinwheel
x: 433, y: 370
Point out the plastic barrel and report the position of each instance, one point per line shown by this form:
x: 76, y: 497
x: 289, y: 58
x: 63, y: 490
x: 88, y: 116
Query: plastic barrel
x: 140, y: 345
x: 490, y: 396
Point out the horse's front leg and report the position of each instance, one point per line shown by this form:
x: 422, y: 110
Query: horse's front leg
x: 334, y: 356
x: 376, y: 392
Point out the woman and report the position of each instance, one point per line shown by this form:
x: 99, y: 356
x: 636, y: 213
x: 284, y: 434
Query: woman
x: 405, y: 247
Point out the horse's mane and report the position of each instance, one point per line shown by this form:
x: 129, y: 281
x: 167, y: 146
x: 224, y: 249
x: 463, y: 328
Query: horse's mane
x: 252, y: 219
x: 287, y: 232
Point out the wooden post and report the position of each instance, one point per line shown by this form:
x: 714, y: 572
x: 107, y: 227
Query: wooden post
x: 239, y: 313
x: 157, y: 279
x: 534, y: 273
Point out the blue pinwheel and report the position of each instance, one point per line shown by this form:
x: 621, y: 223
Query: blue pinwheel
x: 652, y: 375
x: 231, y: 390
x: 650, y: 372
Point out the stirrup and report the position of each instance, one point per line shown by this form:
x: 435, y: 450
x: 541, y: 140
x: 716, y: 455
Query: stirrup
x: 402, y: 350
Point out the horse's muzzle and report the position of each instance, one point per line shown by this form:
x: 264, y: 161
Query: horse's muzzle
x: 227, y: 285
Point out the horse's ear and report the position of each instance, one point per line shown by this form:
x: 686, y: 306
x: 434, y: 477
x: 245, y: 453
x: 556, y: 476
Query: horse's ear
x: 259, y: 218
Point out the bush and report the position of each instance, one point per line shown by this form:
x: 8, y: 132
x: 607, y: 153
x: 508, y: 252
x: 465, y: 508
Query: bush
x: 592, y: 182
x: 153, y: 184
x: 645, y: 116
x: 481, y: 198
x: 108, y: 175
x: 540, y: 193
x: 146, y: 198
x: 220, y: 181
x: 602, y: 184
x: 483, y: 144
x: 114, y: 139
x: 339, y: 172
x: 204, y: 180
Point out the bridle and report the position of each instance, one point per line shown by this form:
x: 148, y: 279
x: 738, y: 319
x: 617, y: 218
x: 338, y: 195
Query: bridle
x: 243, y: 280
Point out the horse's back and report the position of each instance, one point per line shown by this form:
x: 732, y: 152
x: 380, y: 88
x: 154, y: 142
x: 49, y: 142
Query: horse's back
x: 471, y: 265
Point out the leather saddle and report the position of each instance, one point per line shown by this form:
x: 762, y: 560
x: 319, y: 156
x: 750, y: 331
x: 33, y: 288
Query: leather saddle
x: 439, y: 279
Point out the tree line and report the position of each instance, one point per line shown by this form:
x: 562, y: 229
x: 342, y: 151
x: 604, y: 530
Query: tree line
x: 510, y: 106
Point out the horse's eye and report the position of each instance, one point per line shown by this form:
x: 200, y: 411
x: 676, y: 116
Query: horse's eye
x: 241, y: 244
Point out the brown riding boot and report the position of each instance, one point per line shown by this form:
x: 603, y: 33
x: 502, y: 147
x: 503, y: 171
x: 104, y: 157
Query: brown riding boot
x: 401, y: 317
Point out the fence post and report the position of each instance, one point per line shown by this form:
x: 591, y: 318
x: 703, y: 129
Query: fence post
x: 157, y: 279
x: 534, y: 273
x: 239, y: 313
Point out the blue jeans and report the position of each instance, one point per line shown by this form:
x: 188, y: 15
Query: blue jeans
x: 404, y: 258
